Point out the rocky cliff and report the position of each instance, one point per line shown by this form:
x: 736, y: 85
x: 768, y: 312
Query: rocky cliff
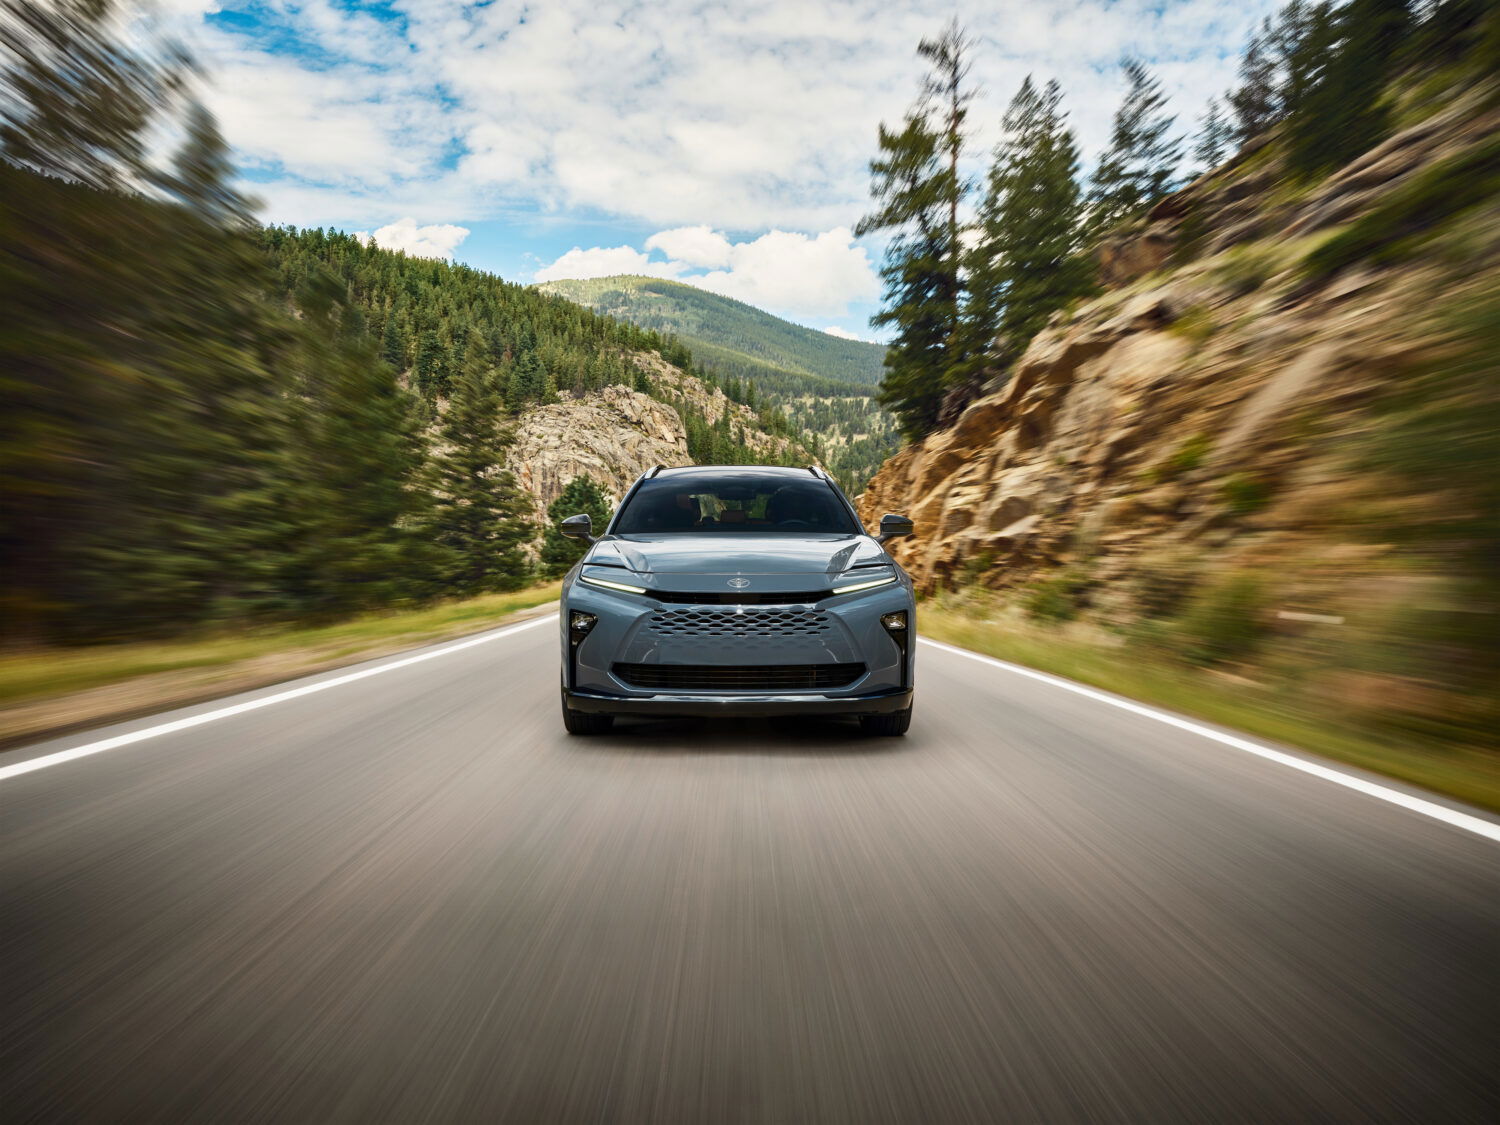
x: 613, y: 435
x: 1204, y: 413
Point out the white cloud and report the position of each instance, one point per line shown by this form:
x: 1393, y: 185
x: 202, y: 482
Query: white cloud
x: 685, y: 114
x: 794, y: 275
x: 797, y: 275
x: 841, y: 333
x: 606, y: 261
x: 697, y: 246
x: 436, y: 241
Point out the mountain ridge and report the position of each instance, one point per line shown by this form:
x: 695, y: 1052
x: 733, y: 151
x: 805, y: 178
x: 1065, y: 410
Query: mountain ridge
x: 713, y: 326
x: 826, y: 385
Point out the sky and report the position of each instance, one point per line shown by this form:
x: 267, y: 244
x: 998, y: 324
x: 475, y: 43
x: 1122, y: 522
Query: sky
x: 724, y: 144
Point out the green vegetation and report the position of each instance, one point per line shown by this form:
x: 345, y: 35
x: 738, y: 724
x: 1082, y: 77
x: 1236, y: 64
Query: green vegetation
x: 1025, y: 266
x: 1409, y: 213
x: 1245, y: 493
x: 1223, y: 620
x: 1196, y: 325
x: 1057, y: 597
x: 581, y: 496
x: 1188, y: 456
x: 228, y: 661
x: 1437, y: 457
x: 1464, y: 772
x: 1140, y: 164
x: 918, y: 195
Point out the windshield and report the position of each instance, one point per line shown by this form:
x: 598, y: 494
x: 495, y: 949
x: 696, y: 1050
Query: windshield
x: 735, y: 502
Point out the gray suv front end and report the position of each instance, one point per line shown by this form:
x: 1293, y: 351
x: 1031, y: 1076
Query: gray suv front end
x: 737, y: 591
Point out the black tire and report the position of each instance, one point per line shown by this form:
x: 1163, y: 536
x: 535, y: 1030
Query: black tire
x: 892, y: 725
x: 585, y: 722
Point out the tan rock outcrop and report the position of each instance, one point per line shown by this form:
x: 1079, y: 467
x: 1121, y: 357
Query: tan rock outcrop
x: 610, y: 436
x: 613, y: 435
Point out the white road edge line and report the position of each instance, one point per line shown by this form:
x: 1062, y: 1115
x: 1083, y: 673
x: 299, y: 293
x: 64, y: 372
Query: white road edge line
x: 84, y: 751
x: 1477, y: 825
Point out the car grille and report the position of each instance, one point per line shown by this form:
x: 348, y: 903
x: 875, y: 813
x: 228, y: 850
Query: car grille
x: 741, y: 597
x: 742, y: 677
x: 756, y: 623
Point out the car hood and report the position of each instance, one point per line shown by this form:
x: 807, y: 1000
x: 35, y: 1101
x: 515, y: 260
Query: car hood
x: 826, y: 556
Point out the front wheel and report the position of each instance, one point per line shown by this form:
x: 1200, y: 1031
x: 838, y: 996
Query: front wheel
x: 891, y: 725
x: 585, y: 722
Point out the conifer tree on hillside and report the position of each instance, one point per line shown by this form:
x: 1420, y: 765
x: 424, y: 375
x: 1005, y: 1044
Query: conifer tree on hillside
x: 1140, y: 164
x: 1253, y: 101
x: 1026, y: 263
x: 1214, y: 139
x: 1298, y: 42
x: 527, y: 384
x: 581, y: 497
x: 480, y: 517
x: 919, y: 192
x: 1343, y: 113
x: 351, y: 469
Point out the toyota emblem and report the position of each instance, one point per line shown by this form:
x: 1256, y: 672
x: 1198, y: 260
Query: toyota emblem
x: 739, y: 583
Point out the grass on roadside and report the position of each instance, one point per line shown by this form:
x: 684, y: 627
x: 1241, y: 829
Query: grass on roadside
x: 1469, y: 774
x: 41, y: 673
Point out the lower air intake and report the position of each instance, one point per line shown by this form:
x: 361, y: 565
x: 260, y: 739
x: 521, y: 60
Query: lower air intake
x: 741, y: 677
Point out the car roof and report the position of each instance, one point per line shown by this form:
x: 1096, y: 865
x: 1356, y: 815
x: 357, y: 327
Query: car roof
x: 720, y: 470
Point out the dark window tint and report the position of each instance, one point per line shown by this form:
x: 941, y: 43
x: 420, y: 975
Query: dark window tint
x: 735, y: 502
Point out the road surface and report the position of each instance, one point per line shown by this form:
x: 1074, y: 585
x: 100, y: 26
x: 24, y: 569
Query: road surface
x: 410, y: 897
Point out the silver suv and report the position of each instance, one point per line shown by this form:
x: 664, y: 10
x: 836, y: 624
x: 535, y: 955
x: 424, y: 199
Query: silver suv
x: 744, y: 590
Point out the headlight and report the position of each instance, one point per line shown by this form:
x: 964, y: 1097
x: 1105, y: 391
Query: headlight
x: 858, y: 586
x: 605, y: 583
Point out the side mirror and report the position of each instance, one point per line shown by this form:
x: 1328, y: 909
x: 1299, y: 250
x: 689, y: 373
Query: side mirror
x: 578, y: 527
x: 893, y: 527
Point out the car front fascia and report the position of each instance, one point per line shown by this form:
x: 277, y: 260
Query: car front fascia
x: 590, y: 683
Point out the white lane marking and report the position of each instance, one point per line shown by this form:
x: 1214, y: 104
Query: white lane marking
x: 191, y: 721
x: 1477, y: 825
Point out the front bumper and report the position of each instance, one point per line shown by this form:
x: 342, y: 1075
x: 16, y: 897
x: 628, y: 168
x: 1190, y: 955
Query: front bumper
x: 738, y: 705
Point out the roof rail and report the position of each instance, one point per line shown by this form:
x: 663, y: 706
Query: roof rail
x: 817, y: 472
x: 652, y: 471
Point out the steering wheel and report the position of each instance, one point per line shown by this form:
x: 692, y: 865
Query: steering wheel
x: 795, y: 523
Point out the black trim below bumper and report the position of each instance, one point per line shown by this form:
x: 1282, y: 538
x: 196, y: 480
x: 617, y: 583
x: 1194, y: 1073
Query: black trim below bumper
x: 879, y: 703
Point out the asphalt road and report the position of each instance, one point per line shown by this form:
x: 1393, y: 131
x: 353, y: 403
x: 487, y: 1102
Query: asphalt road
x: 411, y: 897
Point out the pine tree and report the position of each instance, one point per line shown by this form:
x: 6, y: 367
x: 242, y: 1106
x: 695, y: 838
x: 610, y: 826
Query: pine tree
x: 429, y: 370
x: 1027, y: 263
x: 1140, y: 165
x: 1254, y: 100
x: 919, y: 192
x: 527, y: 383
x: 581, y: 496
x: 1214, y: 139
x: 392, y: 346
x: 480, y: 517
x: 349, y: 472
x: 1343, y: 113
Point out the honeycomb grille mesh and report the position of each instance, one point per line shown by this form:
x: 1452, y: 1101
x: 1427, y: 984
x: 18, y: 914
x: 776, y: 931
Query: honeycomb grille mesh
x: 774, y: 624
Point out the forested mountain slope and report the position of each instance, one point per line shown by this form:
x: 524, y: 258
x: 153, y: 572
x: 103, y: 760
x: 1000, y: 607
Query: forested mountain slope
x: 733, y: 338
x: 824, y: 384
x: 433, y: 320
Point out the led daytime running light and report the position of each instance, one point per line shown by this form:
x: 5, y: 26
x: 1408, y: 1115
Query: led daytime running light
x: 623, y: 587
x: 858, y: 586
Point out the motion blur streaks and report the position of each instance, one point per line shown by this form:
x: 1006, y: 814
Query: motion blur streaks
x: 412, y: 898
